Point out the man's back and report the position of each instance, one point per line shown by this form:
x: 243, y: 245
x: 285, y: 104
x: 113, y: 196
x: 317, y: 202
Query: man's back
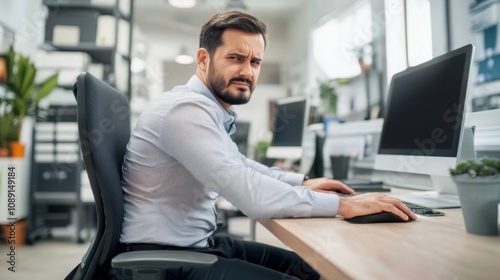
x: 164, y: 202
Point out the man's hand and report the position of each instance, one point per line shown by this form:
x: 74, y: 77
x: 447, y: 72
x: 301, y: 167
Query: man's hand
x: 327, y: 185
x: 370, y: 203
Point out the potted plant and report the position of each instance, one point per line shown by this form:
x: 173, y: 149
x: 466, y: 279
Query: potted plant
x: 260, y: 150
x: 478, y: 184
x: 329, y: 99
x: 328, y: 96
x: 22, y: 95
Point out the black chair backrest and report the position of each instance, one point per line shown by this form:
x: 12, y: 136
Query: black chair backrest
x: 104, y: 128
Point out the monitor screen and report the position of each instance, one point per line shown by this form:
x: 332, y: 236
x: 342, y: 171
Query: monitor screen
x: 289, y: 120
x: 290, y: 117
x: 240, y: 136
x: 424, y: 115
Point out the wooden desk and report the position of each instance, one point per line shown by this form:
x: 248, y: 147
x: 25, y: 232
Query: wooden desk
x: 428, y: 248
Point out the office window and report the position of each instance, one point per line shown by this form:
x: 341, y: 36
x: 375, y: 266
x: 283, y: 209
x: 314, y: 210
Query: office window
x: 408, y: 34
x: 334, y: 42
x: 418, y: 31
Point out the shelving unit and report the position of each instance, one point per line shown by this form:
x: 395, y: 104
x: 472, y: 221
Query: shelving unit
x: 56, y: 169
x: 100, y: 28
x: 102, y: 31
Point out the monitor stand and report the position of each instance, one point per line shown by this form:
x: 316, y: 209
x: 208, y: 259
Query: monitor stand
x: 445, y: 194
x: 431, y: 199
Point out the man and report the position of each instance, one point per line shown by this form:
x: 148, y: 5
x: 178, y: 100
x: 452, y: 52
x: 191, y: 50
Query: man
x: 181, y: 157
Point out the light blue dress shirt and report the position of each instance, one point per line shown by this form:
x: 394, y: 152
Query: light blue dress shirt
x: 180, y: 158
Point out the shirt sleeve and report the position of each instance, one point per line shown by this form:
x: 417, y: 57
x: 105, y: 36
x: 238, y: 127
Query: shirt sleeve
x: 192, y: 133
x: 294, y: 179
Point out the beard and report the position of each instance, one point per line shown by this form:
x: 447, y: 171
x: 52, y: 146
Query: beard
x: 220, y: 87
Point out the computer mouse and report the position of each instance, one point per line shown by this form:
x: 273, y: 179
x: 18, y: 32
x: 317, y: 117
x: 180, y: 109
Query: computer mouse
x: 382, y: 217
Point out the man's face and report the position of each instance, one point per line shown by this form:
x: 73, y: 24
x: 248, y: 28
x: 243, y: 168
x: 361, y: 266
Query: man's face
x: 235, y: 66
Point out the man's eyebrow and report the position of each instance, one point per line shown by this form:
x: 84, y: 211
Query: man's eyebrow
x: 245, y: 56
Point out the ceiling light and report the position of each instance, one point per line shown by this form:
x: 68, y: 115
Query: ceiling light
x: 183, y: 4
x: 183, y: 57
x: 138, y: 65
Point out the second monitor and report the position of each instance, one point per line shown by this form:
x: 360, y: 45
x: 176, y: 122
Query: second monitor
x: 288, y: 130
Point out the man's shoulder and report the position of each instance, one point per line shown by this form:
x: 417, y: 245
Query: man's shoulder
x: 183, y: 94
x: 180, y: 100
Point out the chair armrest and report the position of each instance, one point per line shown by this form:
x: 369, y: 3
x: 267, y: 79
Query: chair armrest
x: 162, y: 259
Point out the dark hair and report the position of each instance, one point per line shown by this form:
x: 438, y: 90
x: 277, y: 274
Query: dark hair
x: 212, y: 28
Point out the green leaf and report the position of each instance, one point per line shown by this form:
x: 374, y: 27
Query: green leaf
x: 22, y: 65
x: 487, y: 171
x: 28, y: 80
x: 9, y: 63
x: 5, y: 128
x: 20, y: 107
x: 46, y: 88
x: 28, y: 100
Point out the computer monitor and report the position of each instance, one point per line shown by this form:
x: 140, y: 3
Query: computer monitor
x: 423, y: 122
x: 290, y: 120
x: 240, y: 136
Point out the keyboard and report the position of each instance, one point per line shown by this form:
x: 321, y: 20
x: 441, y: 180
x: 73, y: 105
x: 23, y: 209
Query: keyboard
x: 421, y: 210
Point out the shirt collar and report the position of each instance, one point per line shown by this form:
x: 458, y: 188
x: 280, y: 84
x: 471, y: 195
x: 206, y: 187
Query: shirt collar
x: 229, y: 117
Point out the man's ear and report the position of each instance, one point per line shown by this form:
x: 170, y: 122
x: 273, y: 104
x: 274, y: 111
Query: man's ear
x: 203, y: 59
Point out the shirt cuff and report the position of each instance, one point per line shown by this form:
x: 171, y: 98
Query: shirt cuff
x: 294, y: 179
x: 325, y: 205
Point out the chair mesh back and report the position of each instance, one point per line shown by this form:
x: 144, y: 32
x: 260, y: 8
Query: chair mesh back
x: 104, y: 127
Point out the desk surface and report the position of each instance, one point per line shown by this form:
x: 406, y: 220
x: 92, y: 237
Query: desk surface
x: 428, y: 248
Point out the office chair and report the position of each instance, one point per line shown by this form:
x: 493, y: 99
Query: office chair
x: 104, y: 131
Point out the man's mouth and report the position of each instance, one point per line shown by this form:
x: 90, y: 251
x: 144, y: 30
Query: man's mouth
x: 241, y: 84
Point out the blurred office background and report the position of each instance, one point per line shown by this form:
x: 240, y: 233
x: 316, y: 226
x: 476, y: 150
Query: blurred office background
x: 145, y: 47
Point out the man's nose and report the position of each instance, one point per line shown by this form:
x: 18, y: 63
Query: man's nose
x: 246, y: 70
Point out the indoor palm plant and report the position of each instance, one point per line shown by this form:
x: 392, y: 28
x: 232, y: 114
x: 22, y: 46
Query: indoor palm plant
x: 21, y: 95
x: 478, y: 184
